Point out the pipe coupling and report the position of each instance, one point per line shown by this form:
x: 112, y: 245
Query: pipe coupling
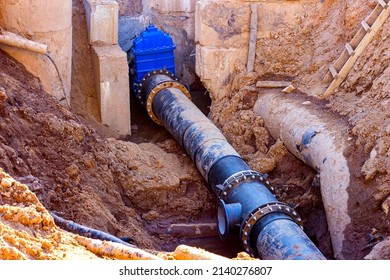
x: 223, y: 191
x: 257, y: 214
x: 151, y: 84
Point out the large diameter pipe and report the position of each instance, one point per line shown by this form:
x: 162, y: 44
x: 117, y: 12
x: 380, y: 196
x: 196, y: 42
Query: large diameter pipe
x: 268, y: 228
x: 319, y: 142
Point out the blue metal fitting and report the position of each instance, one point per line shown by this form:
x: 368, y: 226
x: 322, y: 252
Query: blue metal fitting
x: 152, y: 50
x: 229, y: 216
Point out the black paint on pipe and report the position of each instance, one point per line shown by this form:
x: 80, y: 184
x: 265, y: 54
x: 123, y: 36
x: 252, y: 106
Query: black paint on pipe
x: 71, y: 226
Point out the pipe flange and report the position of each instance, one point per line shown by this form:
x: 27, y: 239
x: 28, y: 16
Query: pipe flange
x: 233, y: 181
x: 137, y: 88
x: 159, y: 72
x: 156, y: 89
x: 154, y: 73
x: 260, y: 212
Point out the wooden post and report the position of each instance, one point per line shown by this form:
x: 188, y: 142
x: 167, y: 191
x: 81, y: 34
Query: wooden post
x: 252, y: 38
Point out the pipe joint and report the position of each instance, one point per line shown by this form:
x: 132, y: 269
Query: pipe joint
x: 259, y: 213
x: 223, y: 191
x: 151, y: 84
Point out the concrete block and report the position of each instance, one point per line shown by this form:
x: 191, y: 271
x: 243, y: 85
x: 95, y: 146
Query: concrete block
x: 223, y: 24
x: 170, y: 6
x: 215, y: 65
x: 112, y: 82
x: 102, y: 21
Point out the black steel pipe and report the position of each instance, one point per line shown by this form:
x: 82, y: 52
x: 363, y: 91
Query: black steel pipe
x: 268, y: 228
x: 71, y: 226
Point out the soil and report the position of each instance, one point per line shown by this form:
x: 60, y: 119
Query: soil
x: 152, y: 192
x: 27, y: 229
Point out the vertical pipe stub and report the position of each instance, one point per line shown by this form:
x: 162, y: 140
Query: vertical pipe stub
x: 229, y: 216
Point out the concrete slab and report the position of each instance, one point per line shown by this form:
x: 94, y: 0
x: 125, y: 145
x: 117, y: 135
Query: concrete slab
x: 112, y: 85
x: 102, y: 21
x: 170, y: 6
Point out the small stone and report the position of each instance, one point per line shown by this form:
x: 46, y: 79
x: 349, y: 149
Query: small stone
x: 6, y: 182
x: 3, y: 95
x: 288, y: 89
x: 386, y: 205
x: 306, y: 103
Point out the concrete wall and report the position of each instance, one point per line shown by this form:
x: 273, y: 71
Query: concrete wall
x: 48, y: 22
x: 109, y: 65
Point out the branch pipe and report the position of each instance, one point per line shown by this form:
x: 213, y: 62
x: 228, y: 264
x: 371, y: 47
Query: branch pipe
x: 71, y: 226
x: 269, y: 229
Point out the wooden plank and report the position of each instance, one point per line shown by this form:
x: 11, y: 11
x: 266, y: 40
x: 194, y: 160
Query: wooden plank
x: 358, y: 37
x: 366, y: 26
x: 371, y: 18
x: 349, y: 49
x: 252, y: 39
x: 272, y: 84
x: 343, y: 73
x: 343, y: 58
x: 333, y: 71
x: 383, y: 4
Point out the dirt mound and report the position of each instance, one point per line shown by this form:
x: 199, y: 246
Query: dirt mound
x: 27, y: 229
x: 115, y: 186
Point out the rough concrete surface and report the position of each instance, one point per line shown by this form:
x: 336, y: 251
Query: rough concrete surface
x: 112, y: 81
x: 50, y: 25
x: 102, y: 21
